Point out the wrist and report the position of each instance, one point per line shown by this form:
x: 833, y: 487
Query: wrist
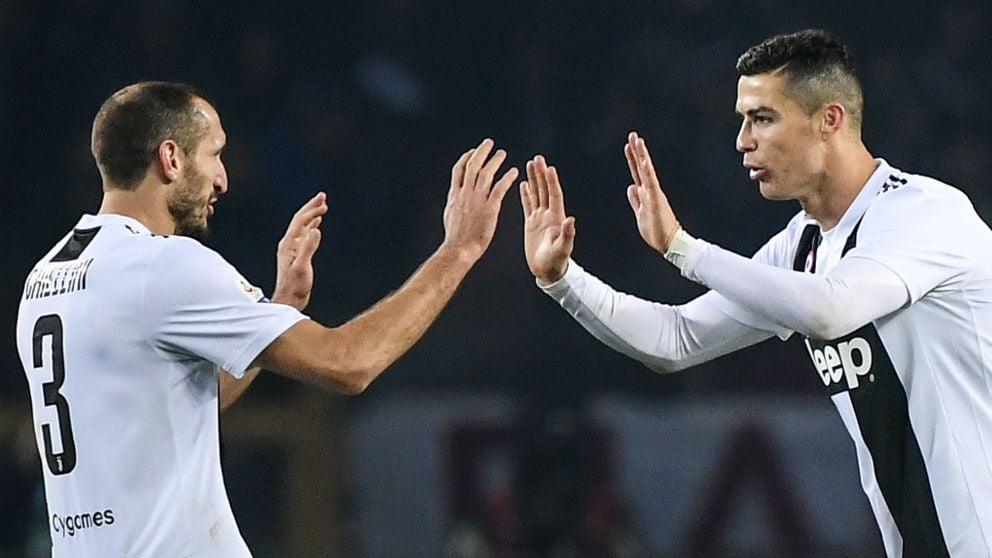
x: 552, y: 276
x: 678, y: 247
x: 296, y: 301
x: 459, y: 256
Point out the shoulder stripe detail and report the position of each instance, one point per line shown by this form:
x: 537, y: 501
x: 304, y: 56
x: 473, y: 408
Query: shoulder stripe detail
x: 78, y: 242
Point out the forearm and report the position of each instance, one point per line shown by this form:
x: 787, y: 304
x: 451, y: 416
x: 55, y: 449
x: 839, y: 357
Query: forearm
x: 854, y: 293
x: 232, y: 388
x: 349, y: 357
x: 664, y: 337
x: 379, y: 336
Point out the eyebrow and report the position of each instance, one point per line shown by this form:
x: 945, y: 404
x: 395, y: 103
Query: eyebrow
x: 755, y: 111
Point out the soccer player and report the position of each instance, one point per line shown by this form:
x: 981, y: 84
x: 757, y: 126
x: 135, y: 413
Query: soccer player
x: 125, y: 325
x: 887, y: 275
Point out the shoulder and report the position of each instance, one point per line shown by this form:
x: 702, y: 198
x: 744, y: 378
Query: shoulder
x: 183, y: 252
x: 184, y: 264
x: 913, y: 205
x: 915, y: 192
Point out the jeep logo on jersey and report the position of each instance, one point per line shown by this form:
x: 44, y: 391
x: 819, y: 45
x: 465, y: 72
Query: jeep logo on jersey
x: 846, y: 360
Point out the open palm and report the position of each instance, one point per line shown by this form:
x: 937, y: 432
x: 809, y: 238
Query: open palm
x: 549, y: 234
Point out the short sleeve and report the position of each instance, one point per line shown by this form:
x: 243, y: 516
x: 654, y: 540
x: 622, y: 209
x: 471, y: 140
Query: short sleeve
x: 195, y: 304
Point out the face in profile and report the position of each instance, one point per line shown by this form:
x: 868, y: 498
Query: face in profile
x: 203, y: 179
x: 782, y: 149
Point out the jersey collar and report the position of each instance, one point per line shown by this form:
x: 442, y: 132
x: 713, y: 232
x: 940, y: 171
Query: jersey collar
x: 861, y: 202
x: 88, y: 221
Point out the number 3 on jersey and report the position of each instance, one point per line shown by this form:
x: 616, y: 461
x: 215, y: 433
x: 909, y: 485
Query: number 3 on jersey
x: 64, y: 462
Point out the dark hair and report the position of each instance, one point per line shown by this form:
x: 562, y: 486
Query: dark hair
x: 134, y: 121
x: 818, y: 68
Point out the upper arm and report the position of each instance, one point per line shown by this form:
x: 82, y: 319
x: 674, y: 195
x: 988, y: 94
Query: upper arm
x: 924, y: 234
x: 857, y: 291
x: 196, y: 304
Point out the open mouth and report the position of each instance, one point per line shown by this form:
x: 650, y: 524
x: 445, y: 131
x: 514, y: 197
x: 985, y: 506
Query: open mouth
x: 755, y: 172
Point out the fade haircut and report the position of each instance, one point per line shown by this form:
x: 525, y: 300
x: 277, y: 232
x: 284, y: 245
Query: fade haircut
x: 134, y: 121
x: 817, y: 67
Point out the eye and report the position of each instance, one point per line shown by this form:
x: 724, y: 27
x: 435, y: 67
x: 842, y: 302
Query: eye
x: 762, y: 119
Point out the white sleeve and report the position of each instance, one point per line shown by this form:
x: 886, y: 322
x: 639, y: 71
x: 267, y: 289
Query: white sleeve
x: 857, y: 291
x: 196, y: 304
x: 663, y: 337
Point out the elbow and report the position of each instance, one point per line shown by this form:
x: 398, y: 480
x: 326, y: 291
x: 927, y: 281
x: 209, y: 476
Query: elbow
x: 355, y: 379
x: 667, y: 366
x: 358, y: 381
x: 827, y: 323
x: 350, y: 382
x: 352, y: 388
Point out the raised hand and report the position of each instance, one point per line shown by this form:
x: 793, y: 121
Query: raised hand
x: 548, y: 234
x: 472, y: 210
x: 655, y: 219
x: 294, y: 255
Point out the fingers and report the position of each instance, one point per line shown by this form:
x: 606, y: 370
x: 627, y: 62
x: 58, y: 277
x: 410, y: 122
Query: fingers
x: 503, y: 186
x: 525, y: 199
x: 458, y: 171
x: 313, y: 209
x: 476, y: 170
x: 628, y: 151
x: 485, y: 178
x: 537, y: 170
x: 645, y: 168
x: 475, y: 162
x: 542, y: 189
x: 556, y: 201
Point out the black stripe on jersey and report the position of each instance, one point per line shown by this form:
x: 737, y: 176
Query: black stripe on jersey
x: 808, y: 243
x: 78, y: 242
x: 882, y: 409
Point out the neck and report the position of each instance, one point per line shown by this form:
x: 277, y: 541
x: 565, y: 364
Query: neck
x: 146, y: 204
x: 849, y: 170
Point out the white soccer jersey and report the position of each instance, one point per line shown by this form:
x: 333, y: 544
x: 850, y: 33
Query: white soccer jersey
x: 121, y: 334
x: 914, y: 387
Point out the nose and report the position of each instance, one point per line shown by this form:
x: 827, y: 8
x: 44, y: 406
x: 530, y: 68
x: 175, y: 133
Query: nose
x: 745, y: 140
x: 220, y: 182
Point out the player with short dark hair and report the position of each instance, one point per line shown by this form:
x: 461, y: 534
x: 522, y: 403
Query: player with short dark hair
x: 125, y: 324
x: 886, y: 274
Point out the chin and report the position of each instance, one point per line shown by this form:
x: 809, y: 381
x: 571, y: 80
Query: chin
x: 199, y: 231
x: 770, y: 193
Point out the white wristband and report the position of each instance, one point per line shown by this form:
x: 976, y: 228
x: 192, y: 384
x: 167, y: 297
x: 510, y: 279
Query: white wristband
x: 679, y: 247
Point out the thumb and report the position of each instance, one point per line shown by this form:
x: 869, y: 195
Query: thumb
x: 566, y: 240
x: 633, y: 198
x: 309, y: 244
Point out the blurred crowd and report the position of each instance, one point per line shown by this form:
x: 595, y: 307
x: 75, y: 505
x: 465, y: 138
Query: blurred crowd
x: 373, y: 102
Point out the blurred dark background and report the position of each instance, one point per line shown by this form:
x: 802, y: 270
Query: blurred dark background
x: 373, y: 102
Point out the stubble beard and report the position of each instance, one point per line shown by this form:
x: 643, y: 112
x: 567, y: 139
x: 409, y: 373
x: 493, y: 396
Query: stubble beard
x: 187, y: 208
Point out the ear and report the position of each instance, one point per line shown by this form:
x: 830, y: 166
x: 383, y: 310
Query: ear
x: 169, y: 160
x: 833, y: 120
